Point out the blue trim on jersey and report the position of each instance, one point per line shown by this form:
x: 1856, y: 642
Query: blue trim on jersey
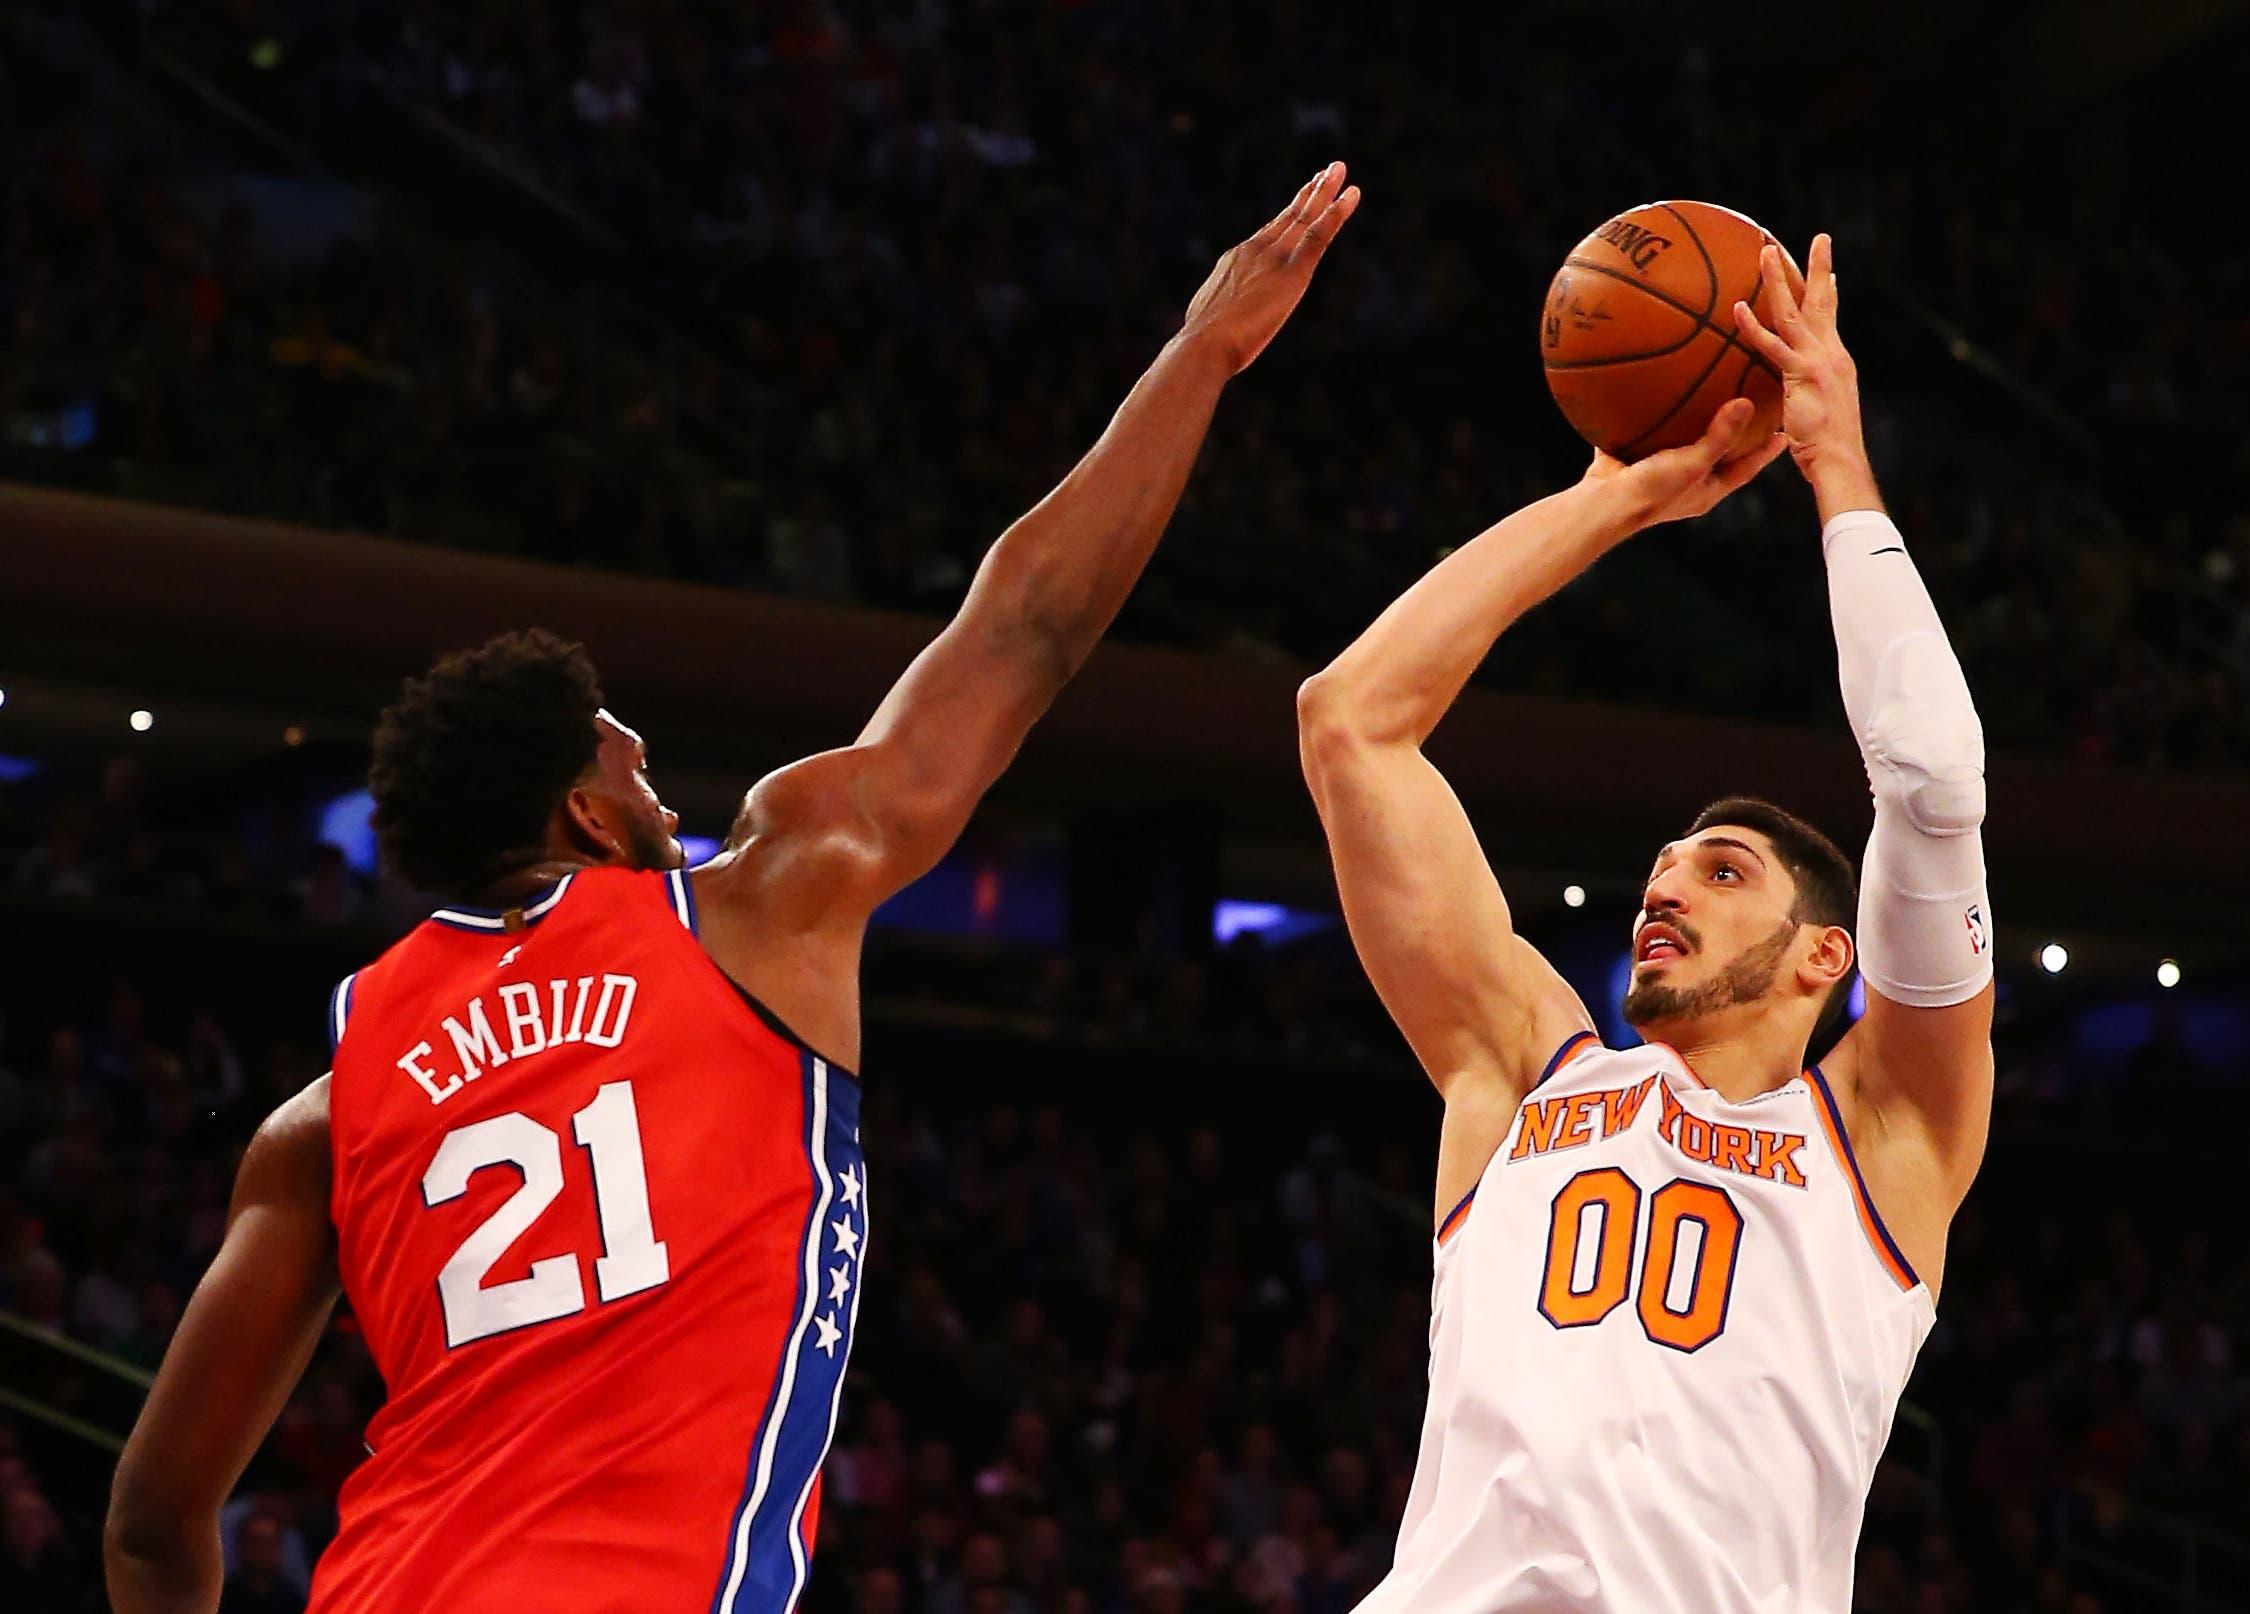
x: 766, y: 1562
x: 339, y: 1011
x: 683, y: 896
x: 1562, y: 1053
x: 462, y: 917
x: 808, y: 1442
x: 1820, y: 1086
x: 1452, y: 1215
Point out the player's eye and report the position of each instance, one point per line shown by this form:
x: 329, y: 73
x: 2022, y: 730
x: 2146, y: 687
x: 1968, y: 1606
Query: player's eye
x: 1722, y: 869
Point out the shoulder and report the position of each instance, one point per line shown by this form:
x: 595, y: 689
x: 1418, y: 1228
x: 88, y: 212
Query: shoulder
x: 302, y: 1116
x: 806, y: 841
x: 287, y: 1158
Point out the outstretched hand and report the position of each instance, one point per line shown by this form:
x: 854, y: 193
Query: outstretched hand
x: 1819, y: 381
x: 1684, y: 482
x: 1256, y: 286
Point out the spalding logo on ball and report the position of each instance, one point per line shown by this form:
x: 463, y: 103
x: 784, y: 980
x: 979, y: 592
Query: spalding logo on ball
x: 1638, y: 334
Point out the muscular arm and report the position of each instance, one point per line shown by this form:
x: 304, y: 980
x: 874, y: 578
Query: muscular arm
x: 242, y: 1343
x: 819, y: 844
x: 1046, y: 591
x: 1917, y: 1069
x: 1479, y: 1006
x: 1919, y: 1063
x: 1426, y: 913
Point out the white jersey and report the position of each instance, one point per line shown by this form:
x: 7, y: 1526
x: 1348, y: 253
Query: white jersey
x: 1667, y: 1336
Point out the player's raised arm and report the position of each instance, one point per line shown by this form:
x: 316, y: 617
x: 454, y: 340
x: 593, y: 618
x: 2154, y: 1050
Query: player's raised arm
x: 244, y: 1339
x: 1482, y: 1010
x: 890, y: 805
x: 1920, y: 1059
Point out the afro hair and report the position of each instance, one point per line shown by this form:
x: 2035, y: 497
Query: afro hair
x: 472, y: 758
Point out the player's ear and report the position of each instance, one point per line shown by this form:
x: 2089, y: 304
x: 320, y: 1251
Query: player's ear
x: 589, y: 825
x: 1831, y: 957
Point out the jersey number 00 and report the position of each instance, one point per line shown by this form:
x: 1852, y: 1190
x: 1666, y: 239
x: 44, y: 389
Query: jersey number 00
x: 1590, y: 1267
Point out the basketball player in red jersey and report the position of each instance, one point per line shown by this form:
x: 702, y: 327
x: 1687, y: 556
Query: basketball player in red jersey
x: 587, y: 1162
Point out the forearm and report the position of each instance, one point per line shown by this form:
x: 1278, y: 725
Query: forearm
x: 1842, y: 481
x: 1399, y: 677
x: 1925, y: 922
x: 1057, y: 578
x: 241, y: 1345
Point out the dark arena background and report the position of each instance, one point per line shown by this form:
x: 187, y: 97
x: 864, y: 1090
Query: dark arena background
x: 335, y: 333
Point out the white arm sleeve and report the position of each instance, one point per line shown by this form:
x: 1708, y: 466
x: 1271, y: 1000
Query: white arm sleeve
x: 1925, y: 922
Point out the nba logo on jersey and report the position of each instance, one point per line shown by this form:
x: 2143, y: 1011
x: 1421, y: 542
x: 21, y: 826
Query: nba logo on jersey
x: 1974, y: 918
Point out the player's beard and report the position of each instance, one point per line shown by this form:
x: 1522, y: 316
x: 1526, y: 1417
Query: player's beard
x: 1747, y: 977
x: 650, y: 848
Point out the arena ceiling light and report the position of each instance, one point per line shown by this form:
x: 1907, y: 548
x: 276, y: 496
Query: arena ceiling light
x: 2053, y: 957
x: 142, y: 721
x: 2168, y: 974
x: 1574, y: 896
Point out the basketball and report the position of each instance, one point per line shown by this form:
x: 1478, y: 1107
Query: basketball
x: 1638, y: 332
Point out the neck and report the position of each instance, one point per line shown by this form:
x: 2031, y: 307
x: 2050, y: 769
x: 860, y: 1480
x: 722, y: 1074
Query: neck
x: 503, y: 890
x: 1738, y: 1058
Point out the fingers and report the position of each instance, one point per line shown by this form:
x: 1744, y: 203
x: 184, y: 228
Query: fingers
x: 1761, y: 341
x: 1691, y: 462
x: 1719, y: 437
x: 1737, y: 474
x: 1281, y: 220
x: 1781, y: 302
x: 1820, y: 279
x: 1323, y: 229
x: 1315, y: 201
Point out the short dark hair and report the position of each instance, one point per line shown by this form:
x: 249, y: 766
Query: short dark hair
x: 472, y: 757
x: 1827, y: 885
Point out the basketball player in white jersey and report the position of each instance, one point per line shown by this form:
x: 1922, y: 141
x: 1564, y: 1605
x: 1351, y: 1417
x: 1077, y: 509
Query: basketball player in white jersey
x: 1679, y: 1286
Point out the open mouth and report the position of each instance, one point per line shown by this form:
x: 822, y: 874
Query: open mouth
x: 1659, y: 943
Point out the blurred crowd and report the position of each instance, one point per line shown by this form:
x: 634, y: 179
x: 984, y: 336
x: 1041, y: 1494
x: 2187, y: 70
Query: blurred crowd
x: 907, y: 258
x: 104, y: 835
x: 1154, y: 1340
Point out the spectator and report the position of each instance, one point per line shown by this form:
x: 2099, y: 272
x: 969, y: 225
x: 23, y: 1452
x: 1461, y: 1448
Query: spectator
x: 36, y: 1575
x: 256, y: 1585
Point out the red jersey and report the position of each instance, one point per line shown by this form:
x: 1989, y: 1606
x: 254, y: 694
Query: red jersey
x: 600, y: 1217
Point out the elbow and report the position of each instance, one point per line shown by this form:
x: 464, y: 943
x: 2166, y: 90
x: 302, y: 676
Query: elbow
x: 1936, y: 796
x: 1320, y: 700
x: 1923, y: 742
x: 1936, y: 785
x: 151, y: 1560
x: 134, y: 1543
x: 130, y: 1533
x: 144, y: 1529
x: 1329, y: 724
x: 1339, y: 719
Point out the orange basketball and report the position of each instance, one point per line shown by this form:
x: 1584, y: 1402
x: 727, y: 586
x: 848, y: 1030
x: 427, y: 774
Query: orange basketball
x: 1639, y: 336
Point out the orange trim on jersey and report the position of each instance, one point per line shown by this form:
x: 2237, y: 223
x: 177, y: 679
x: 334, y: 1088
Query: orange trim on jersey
x: 1878, y: 1236
x: 1573, y: 1046
x: 1454, y: 1218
